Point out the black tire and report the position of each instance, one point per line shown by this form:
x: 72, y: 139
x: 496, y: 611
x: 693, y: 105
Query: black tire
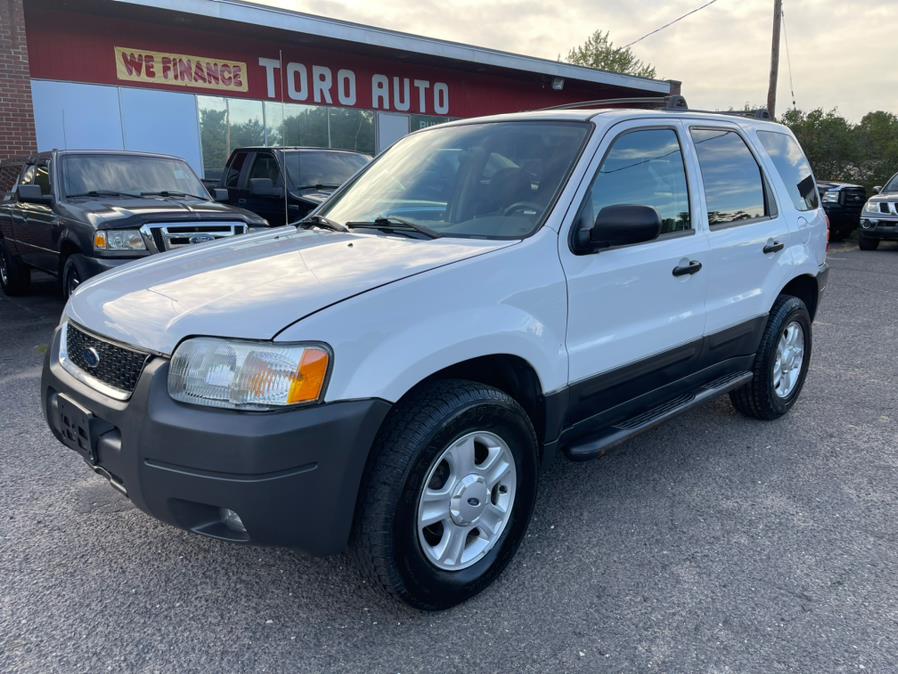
x: 15, y: 276
x: 758, y: 398
x: 385, y: 541
x: 867, y: 243
x: 74, y: 273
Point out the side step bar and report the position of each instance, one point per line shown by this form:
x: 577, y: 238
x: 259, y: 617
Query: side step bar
x: 599, y: 444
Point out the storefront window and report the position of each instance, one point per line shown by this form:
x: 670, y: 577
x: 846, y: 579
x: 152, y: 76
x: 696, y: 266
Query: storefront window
x: 419, y: 122
x: 229, y: 123
x: 213, y: 113
x: 246, y: 122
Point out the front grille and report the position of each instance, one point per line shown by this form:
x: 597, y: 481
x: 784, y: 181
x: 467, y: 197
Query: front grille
x: 883, y: 207
x: 113, y: 365
x: 162, y: 236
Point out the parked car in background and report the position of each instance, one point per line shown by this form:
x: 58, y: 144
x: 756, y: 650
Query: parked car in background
x: 254, y: 179
x: 843, y: 203
x: 76, y: 213
x: 879, y: 219
x: 395, y: 382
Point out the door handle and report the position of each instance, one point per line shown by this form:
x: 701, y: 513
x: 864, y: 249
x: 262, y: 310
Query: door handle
x: 693, y: 267
x: 241, y: 200
x: 773, y: 247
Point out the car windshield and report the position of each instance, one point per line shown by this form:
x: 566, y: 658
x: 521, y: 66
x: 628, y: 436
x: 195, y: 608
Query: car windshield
x: 322, y: 169
x: 892, y: 185
x: 128, y: 175
x: 488, y: 180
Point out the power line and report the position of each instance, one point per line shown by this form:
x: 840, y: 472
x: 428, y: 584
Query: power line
x: 788, y: 59
x: 668, y: 25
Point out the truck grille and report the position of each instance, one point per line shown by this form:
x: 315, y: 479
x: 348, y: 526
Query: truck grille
x: 883, y: 207
x: 113, y: 365
x: 163, y: 236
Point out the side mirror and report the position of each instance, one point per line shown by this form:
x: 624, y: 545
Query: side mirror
x: 32, y: 194
x: 220, y: 194
x: 877, y: 189
x: 264, y: 187
x: 621, y: 225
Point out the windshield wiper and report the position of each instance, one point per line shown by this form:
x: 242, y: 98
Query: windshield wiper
x: 102, y: 193
x: 321, y: 221
x: 394, y: 224
x: 167, y: 193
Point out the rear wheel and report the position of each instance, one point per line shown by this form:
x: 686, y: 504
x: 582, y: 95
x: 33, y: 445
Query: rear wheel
x: 448, y: 493
x: 781, y: 362
x: 15, y: 277
x: 867, y: 243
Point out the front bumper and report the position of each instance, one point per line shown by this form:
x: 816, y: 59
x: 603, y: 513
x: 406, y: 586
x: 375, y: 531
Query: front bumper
x: 291, y: 476
x: 97, y: 265
x: 879, y: 228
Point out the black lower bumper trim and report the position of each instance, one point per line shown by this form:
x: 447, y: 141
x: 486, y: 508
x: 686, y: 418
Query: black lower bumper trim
x: 292, y: 477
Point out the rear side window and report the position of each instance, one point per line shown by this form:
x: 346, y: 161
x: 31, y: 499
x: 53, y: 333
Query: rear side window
x: 734, y: 184
x: 232, y: 172
x: 793, y: 168
x: 643, y: 168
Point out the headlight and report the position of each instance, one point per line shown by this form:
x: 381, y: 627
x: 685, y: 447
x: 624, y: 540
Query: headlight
x: 831, y: 197
x: 119, y: 239
x: 871, y: 207
x: 247, y: 375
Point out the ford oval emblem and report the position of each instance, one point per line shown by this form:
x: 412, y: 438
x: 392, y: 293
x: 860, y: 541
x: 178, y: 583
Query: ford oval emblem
x: 91, y: 357
x: 201, y: 238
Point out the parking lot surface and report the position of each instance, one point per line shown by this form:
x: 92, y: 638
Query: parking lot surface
x: 712, y: 543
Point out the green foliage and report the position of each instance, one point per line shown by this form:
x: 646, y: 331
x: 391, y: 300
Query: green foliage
x: 599, y: 52
x: 865, y: 153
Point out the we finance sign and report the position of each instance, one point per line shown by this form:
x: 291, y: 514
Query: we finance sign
x: 299, y: 81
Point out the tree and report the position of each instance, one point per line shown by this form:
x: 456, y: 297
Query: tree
x: 600, y: 53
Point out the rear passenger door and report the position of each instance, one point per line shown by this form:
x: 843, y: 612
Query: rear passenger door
x: 634, y: 325
x: 748, y: 234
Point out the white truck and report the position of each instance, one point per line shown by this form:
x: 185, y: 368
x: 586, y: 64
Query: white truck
x: 391, y: 373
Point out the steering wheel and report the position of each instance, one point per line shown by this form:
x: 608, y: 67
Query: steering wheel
x: 522, y: 207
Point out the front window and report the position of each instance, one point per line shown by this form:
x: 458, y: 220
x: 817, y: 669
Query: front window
x: 491, y: 180
x: 892, y: 185
x: 321, y: 169
x: 128, y: 175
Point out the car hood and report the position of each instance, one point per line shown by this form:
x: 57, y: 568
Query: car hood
x: 251, y: 286
x: 130, y: 213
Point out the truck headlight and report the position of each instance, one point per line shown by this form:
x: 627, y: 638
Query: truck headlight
x: 247, y: 375
x: 119, y: 239
x: 871, y: 207
x: 831, y: 197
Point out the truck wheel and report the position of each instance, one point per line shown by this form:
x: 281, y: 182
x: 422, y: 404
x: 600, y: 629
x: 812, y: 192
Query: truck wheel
x: 447, y: 495
x: 74, y: 273
x: 781, y: 362
x: 867, y: 243
x: 15, y: 277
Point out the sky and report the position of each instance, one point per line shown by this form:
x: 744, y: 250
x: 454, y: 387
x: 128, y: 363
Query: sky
x: 843, y: 53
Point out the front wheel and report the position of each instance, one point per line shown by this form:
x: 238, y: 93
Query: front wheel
x: 867, y: 243
x: 74, y: 273
x: 781, y: 362
x: 448, y: 493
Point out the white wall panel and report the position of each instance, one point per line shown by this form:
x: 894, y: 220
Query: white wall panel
x: 390, y: 128
x: 76, y: 116
x: 161, y: 121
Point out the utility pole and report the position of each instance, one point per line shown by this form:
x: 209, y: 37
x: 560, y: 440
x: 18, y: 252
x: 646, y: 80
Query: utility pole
x: 775, y: 56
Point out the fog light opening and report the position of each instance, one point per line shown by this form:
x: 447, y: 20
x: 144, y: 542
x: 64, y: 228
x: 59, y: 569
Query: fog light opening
x: 232, y: 520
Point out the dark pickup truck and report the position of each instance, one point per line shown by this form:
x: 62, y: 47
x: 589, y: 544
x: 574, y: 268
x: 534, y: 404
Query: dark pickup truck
x: 842, y: 203
x: 254, y: 179
x: 76, y: 213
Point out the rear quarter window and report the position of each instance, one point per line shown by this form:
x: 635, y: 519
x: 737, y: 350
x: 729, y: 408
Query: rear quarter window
x: 793, y: 167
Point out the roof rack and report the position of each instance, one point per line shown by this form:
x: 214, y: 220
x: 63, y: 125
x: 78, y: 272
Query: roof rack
x: 652, y: 102
x: 760, y: 113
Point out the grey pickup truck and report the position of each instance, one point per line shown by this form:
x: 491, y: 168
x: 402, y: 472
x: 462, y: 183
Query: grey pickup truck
x: 76, y: 213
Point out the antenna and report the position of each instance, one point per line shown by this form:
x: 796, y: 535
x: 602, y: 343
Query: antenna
x: 283, y: 154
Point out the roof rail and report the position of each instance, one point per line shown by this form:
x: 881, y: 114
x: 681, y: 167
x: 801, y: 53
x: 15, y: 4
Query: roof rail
x: 760, y: 113
x: 656, y: 102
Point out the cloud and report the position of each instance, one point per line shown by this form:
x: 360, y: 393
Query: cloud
x: 841, y: 53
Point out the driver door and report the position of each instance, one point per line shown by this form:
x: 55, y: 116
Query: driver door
x: 634, y: 323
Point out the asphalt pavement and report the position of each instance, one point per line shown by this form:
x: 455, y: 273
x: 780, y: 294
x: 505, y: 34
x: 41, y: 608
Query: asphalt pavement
x: 713, y: 543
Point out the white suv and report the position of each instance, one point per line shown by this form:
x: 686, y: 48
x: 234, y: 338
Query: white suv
x: 488, y: 294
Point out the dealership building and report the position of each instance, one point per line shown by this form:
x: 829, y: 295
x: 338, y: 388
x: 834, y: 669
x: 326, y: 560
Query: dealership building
x: 197, y: 78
